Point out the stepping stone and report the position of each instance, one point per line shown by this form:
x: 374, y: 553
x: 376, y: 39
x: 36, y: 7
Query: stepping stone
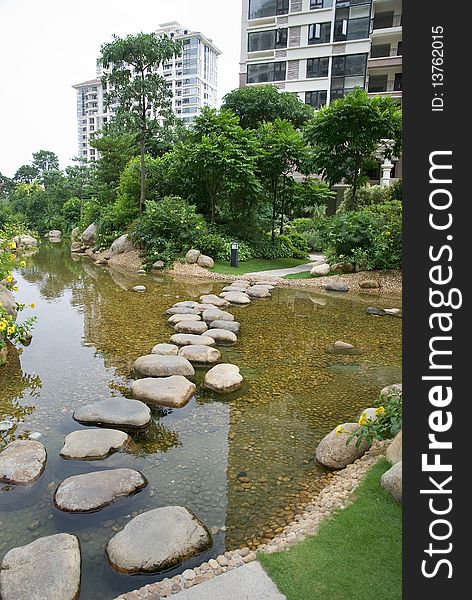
x: 234, y: 288
x: 173, y: 392
x: 236, y: 297
x: 222, y: 336
x: 233, y: 326
x: 92, y: 491
x: 223, y: 378
x: 120, y: 412
x: 203, y: 355
x: 215, y: 300
x: 138, y: 288
x: 337, y: 286
x: 93, y: 444
x: 157, y: 540
x: 182, y: 310
x: 241, y: 283
x: 186, y: 304
x: 215, y: 314
x: 22, y: 462
x: 188, y: 339
x: 192, y: 327
x: 46, y: 569
x: 267, y: 284
x: 154, y: 365
x: 258, y: 291
x: 165, y: 350
x: 178, y: 318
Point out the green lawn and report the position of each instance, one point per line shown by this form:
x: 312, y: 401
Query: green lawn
x: 303, y: 275
x: 356, y: 555
x: 257, y: 264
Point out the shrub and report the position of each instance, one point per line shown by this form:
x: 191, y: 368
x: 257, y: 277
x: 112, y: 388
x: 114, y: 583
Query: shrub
x: 366, y: 196
x: 71, y: 213
x: 396, y: 191
x: 299, y: 244
x: 267, y: 249
x: 218, y: 246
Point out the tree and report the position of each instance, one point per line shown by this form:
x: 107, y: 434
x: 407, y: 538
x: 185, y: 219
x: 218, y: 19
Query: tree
x: 26, y: 174
x: 347, y: 133
x: 254, y: 105
x: 140, y: 93
x: 45, y: 161
x: 6, y: 186
x: 283, y: 150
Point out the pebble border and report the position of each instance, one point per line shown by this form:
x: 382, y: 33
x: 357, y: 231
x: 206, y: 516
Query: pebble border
x: 336, y: 495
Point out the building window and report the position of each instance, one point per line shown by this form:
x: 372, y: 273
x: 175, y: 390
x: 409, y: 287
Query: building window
x: 315, y: 4
x: 316, y: 99
x: 347, y: 73
x: 380, y: 50
x: 397, y: 84
x: 266, y: 72
x: 319, y: 33
x: 267, y: 8
x: 352, y: 20
x: 267, y: 40
x: 317, y: 67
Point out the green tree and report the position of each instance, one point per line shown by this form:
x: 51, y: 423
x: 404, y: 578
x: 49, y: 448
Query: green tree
x: 26, y: 174
x: 6, y: 186
x: 254, y: 105
x: 45, y: 161
x: 346, y: 134
x: 140, y: 93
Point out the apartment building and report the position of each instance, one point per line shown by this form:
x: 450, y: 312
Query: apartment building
x: 192, y: 77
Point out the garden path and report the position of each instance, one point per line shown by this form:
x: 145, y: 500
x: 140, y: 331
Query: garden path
x: 289, y: 271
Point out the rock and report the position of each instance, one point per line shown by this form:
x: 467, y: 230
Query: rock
x: 394, y: 451
x: 393, y: 312
x: 391, y: 481
x: 337, y: 286
x: 200, y: 354
x: 192, y: 327
x: 237, y: 297
x: 6, y: 425
x: 158, y: 265
x: 101, y: 261
x: 174, y: 391
x: 89, y: 236
x: 36, y: 435
x: 215, y: 314
x: 182, y: 310
x: 340, y: 345
x: 138, y: 288
x: 165, y: 350
x: 321, y: 269
x: 179, y: 533
x: 268, y: 284
x: 369, y: 413
x: 22, y: 462
x: 223, y: 378
x: 121, y: 245
x: 177, y: 318
x: 54, y: 234
x: 333, y: 452
x: 233, y: 326
x: 192, y: 256
x: 372, y: 310
x: 76, y: 247
x: 187, y: 304
x: 222, y: 336
x: 75, y: 235
x: 343, y: 267
x: 93, y: 444
x: 205, y: 261
x: 46, y: 569
x: 369, y: 284
x: 25, y: 241
x: 215, y: 300
x: 7, y: 301
x: 391, y: 391
x: 188, y: 339
x: 234, y: 288
x: 258, y: 291
x: 154, y: 365
x: 92, y: 491
x: 120, y: 412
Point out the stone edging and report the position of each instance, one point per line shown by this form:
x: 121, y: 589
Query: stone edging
x: 336, y: 495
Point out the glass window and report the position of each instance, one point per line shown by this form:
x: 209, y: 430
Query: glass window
x: 347, y: 73
x: 266, y: 72
x: 319, y: 33
x: 378, y: 83
x: 314, y: 4
x: 267, y: 40
x: 316, y: 99
x: 317, y: 67
x: 267, y: 8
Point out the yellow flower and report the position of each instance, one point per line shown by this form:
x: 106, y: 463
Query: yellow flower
x: 15, y: 289
x: 339, y: 430
x: 32, y: 305
x: 22, y: 263
x: 363, y: 419
x: 388, y: 233
x: 2, y: 326
x: 380, y: 410
x: 12, y: 245
x: 11, y: 330
x: 10, y: 278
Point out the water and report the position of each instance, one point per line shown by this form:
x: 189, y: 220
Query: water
x: 91, y: 329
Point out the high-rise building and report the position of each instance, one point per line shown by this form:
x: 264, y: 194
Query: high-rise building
x: 192, y: 77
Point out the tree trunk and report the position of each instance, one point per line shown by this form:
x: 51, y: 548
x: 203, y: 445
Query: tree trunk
x: 353, y: 203
x: 274, y: 211
x: 212, y: 208
x: 143, y: 177
x: 282, y: 209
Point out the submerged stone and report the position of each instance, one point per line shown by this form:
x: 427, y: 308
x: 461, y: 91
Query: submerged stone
x: 233, y: 326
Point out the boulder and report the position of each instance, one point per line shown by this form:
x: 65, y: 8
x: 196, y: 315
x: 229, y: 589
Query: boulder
x: 193, y: 327
x: 54, y: 234
x: 7, y: 300
x: 337, y: 286
x: 222, y: 336
x: 370, y: 414
x: 158, y: 265
x: 335, y: 453
x: 22, y: 462
x: 25, y: 241
x: 258, y: 291
x: 178, y: 318
x: 182, y: 310
x: 92, y: 491
x: 394, y: 451
x: 237, y: 298
x: 154, y: 365
x: 233, y: 326
x: 223, y: 378
x: 46, y: 569
x: 119, y: 412
x: 76, y: 247
x: 75, y: 235
x: 214, y: 300
x: 165, y: 350
x: 89, y: 236
x: 369, y: 284
x: 377, y: 312
x: 391, y: 481
x: 200, y: 354
x: 342, y: 267
x: 215, y: 314
x: 179, y: 533
x: 192, y: 256
x: 319, y: 270
x: 121, y: 245
x: 391, y: 391
x: 234, y: 288
x: 205, y: 261
x: 173, y: 392
x: 93, y: 444
x: 188, y: 339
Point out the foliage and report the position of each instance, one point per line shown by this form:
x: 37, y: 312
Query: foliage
x: 311, y: 197
x: 44, y: 161
x: 257, y: 104
x: 298, y: 243
x: 266, y: 248
x: 218, y: 246
x: 25, y: 174
x: 366, y: 196
x: 387, y: 422
x: 396, y: 190
x: 71, y: 213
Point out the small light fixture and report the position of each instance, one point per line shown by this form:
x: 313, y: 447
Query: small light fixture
x: 234, y: 254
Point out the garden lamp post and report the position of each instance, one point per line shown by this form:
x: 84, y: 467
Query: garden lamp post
x: 234, y: 254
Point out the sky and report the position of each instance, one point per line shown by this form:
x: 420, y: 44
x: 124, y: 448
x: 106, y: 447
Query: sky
x: 46, y: 46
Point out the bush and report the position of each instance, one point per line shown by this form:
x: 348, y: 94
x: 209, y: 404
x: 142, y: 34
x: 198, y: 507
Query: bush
x: 396, y: 191
x: 299, y: 244
x: 218, y: 246
x: 267, y: 249
x: 71, y: 213
x: 366, y: 196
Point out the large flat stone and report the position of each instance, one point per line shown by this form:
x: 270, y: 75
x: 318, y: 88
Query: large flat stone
x: 177, y: 318
x: 22, y: 462
x: 215, y: 314
x: 93, y: 444
x: 199, y: 354
x: 165, y: 350
x: 154, y: 365
x: 182, y: 310
x: 120, y: 412
x: 192, y: 327
x: 92, y: 491
x: 46, y: 569
x: 223, y: 378
x: 233, y: 326
x: 235, y: 297
x: 190, y: 339
x: 215, y: 300
x: 258, y: 291
x: 173, y: 392
x: 222, y: 336
x: 157, y: 540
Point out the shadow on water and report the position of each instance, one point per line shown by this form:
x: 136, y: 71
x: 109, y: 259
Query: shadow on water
x: 91, y: 329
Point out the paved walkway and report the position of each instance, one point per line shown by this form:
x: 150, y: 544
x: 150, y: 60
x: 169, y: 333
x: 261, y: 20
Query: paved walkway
x: 249, y: 582
x: 289, y: 271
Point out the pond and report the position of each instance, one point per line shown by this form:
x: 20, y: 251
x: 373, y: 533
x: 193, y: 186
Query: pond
x: 243, y: 463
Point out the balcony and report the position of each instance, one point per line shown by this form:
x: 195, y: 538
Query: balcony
x: 381, y: 86
x: 384, y: 56
x: 383, y: 21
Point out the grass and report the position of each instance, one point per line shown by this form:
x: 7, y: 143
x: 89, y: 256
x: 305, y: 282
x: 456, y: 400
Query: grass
x: 257, y: 264
x: 356, y: 555
x: 302, y: 275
